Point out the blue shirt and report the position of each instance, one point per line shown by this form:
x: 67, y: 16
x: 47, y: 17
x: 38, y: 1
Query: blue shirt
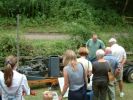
x: 112, y: 60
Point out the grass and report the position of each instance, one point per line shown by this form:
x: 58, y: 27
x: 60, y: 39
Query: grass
x: 128, y: 89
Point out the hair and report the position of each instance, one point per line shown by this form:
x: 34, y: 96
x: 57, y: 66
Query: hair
x: 70, y: 57
x: 100, y: 53
x: 108, y: 50
x: 112, y: 40
x: 10, y: 63
x: 94, y: 34
x: 83, y: 51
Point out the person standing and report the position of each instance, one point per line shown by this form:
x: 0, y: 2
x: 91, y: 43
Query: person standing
x: 100, y: 71
x: 114, y: 66
x: 120, y: 53
x: 12, y: 83
x: 83, y: 52
x: 93, y: 45
x: 1, y: 75
x: 74, y: 77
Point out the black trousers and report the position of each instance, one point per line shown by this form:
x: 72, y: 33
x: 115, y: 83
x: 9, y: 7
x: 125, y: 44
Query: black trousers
x: 99, y: 90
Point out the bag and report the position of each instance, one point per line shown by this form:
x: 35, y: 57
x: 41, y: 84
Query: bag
x: 79, y: 94
x: 111, y: 76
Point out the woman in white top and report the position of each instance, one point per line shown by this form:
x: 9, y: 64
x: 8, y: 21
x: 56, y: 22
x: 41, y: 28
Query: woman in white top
x: 12, y: 83
x: 83, y: 52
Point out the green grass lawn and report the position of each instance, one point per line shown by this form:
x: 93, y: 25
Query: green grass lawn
x: 128, y: 89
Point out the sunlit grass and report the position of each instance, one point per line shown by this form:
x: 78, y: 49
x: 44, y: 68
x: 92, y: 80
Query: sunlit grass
x: 128, y: 89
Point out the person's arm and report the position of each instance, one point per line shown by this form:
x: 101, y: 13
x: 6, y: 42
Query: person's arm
x: 26, y: 88
x: 102, y: 45
x: 66, y: 83
x: 87, y: 44
x: 90, y: 68
x: 93, y: 69
x: 123, y: 61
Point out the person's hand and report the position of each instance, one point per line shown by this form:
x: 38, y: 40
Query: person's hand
x: 60, y: 98
x: 23, y: 93
x: 33, y: 92
x: 117, y: 72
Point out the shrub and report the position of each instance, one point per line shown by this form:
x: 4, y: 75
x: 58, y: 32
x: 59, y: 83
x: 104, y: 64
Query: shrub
x: 8, y: 46
x: 79, y: 34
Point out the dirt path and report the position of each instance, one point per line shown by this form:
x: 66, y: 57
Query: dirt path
x: 46, y: 36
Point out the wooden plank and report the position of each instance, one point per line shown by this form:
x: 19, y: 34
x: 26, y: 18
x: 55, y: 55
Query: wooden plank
x: 129, y: 17
x: 53, y: 81
x: 130, y: 22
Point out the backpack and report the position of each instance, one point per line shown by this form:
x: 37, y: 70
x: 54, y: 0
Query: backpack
x: 13, y: 95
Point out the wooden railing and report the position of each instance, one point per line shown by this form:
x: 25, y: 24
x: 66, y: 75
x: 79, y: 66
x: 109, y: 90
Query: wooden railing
x: 128, y: 20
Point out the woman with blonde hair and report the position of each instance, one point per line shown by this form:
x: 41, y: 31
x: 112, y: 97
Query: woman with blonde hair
x: 12, y: 83
x: 74, y: 77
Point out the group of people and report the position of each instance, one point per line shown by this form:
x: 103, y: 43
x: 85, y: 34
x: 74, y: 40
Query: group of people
x: 97, y: 60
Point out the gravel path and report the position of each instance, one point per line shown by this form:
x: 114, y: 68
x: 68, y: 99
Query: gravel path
x: 46, y: 36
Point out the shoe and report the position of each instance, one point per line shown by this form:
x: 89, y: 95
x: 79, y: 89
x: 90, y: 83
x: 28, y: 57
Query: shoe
x: 122, y: 94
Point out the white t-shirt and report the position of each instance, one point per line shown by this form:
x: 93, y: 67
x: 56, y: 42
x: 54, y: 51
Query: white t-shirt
x: 87, y: 64
x: 118, y: 51
x: 17, y: 77
x: 89, y: 86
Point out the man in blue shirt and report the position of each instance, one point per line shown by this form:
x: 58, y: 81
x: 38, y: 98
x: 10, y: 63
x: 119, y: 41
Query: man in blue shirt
x: 114, y: 65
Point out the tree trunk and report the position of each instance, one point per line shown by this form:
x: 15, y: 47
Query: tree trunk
x: 125, y: 6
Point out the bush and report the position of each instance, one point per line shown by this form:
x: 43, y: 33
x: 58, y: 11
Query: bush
x: 106, y: 17
x: 79, y: 34
x: 126, y: 41
x: 8, y: 46
x: 47, y: 48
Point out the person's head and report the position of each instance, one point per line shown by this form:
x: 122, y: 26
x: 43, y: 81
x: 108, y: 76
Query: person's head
x: 83, y: 51
x: 112, y: 41
x: 94, y: 37
x: 10, y: 64
x: 69, y: 57
x: 108, y: 50
x: 100, y: 54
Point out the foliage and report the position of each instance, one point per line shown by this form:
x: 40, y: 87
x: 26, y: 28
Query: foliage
x: 8, y: 46
x: 106, y: 17
x: 79, y: 34
x: 126, y: 41
x: 46, y: 48
x: 99, y: 11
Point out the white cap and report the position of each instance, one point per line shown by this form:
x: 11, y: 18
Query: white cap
x: 112, y: 40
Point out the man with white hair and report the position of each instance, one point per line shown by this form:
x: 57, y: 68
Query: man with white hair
x: 114, y: 66
x: 119, y: 52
